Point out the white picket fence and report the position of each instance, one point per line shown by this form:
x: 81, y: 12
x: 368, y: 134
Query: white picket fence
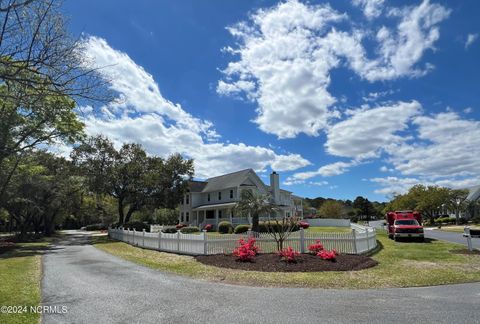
x: 360, y: 240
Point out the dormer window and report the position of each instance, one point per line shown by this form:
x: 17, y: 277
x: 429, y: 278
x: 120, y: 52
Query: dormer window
x: 219, y: 195
x: 208, y: 197
x: 187, y: 199
x: 231, y: 194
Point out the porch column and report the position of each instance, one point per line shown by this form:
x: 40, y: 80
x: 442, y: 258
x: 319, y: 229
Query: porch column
x: 196, y: 213
x: 216, y: 217
x: 230, y: 211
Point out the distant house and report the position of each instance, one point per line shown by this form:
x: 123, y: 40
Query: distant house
x: 213, y: 200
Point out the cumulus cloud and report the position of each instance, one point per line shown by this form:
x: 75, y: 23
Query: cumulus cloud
x: 286, y: 54
x: 391, y: 186
x: 371, y: 8
x: 471, y: 38
x: 446, y: 146
x: 144, y: 116
x: 367, y: 131
x: 327, y: 170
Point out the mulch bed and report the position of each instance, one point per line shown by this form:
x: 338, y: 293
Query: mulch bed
x: 465, y: 251
x: 270, y: 262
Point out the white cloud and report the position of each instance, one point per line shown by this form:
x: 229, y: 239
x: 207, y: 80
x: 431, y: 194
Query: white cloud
x: 371, y: 8
x: 468, y: 110
x: 162, y: 127
x: 286, y: 53
x: 447, y: 146
x: 471, y: 38
x: 327, y: 170
x: 368, y: 131
x: 391, y: 186
x: 394, y: 185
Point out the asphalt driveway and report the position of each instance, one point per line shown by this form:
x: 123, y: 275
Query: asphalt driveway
x: 97, y: 287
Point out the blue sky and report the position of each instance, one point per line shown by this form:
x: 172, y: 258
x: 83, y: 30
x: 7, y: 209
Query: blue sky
x: 347, y: 98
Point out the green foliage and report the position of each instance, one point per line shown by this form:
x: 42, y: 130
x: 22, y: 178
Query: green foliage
x: 165, y: 216
x: 135, y: 180
x: 189, y: 229
x: 170, y: 230
x: 96, y: 227
x: 225, y: 227
x: 240, y: 229
x: 332, y: 209
x: 429, y: 200
x: 138, y: 226
x: 255, y: 205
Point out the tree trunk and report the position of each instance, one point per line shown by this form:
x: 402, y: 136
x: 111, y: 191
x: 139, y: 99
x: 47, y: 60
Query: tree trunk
x: 120, y: 211
x: 131, y: 210
x: 457, y: 215
x: 255, y: 227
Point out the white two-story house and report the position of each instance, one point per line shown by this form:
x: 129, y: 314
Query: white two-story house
x: 213, y: 200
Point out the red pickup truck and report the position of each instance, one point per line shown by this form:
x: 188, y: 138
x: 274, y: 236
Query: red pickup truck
x: 405, y: 224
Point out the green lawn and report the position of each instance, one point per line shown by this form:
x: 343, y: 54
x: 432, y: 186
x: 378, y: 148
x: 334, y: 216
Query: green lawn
x: 456, y: 228
x: 401, y: 264
x: 20, y: 275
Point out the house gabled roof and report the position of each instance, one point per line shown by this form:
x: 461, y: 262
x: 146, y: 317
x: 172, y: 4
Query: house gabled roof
x: 229, y: 180
x: 196, y: 186
x: 474, y: 193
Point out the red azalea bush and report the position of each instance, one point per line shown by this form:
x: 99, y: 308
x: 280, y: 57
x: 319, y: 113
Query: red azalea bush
x: 208, y: 227
x: 303, y: 224
x: 289, y: 255
x: 6, y: 245
x: 315, y: 248
x: 180, y: 226
x: 328, y: 255
x: 247, y: 250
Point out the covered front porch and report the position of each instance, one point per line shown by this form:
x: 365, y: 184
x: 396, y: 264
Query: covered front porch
x: 214, y: 214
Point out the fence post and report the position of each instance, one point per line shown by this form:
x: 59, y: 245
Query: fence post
x: 160, y: 240
x: 368, y: 240
x: 133, y: 241
x: 302, y: 240
x: 143, y: 238
x: 249, y: 233
x: 178, y: 241
x: 205, y: 248
x: 354, y: 233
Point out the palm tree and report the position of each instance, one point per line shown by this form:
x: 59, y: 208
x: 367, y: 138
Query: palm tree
x: 254, y: 205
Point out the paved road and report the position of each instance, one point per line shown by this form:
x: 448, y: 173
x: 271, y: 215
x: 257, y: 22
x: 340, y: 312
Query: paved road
x: 99, y: 288
x: 451, y: 237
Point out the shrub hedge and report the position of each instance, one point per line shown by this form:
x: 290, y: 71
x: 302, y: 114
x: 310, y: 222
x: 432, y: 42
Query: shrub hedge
x: 239, y: 229
x: 225, y: 227
x: 189, y: 229
x: 96, y: 227
x: 138, y: 226
x: 170, y: 230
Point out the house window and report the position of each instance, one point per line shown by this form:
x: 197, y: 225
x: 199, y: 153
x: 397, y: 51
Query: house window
x: 188, y: 199
x: 231, y: 194
x: 187, y: 217
x: 208, y: 197
x: 219, y: 195
x: 181, y: 218
x: 219, y: 214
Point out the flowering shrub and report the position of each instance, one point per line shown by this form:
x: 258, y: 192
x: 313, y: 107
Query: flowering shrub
x: 6, y: 245
x: 303, y: 224
x: 208, y: 227
x: 289, y: 255
x: 328, y: 255
x: 179, y: 226
x: 315, y: 248
x: 246, y: 251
